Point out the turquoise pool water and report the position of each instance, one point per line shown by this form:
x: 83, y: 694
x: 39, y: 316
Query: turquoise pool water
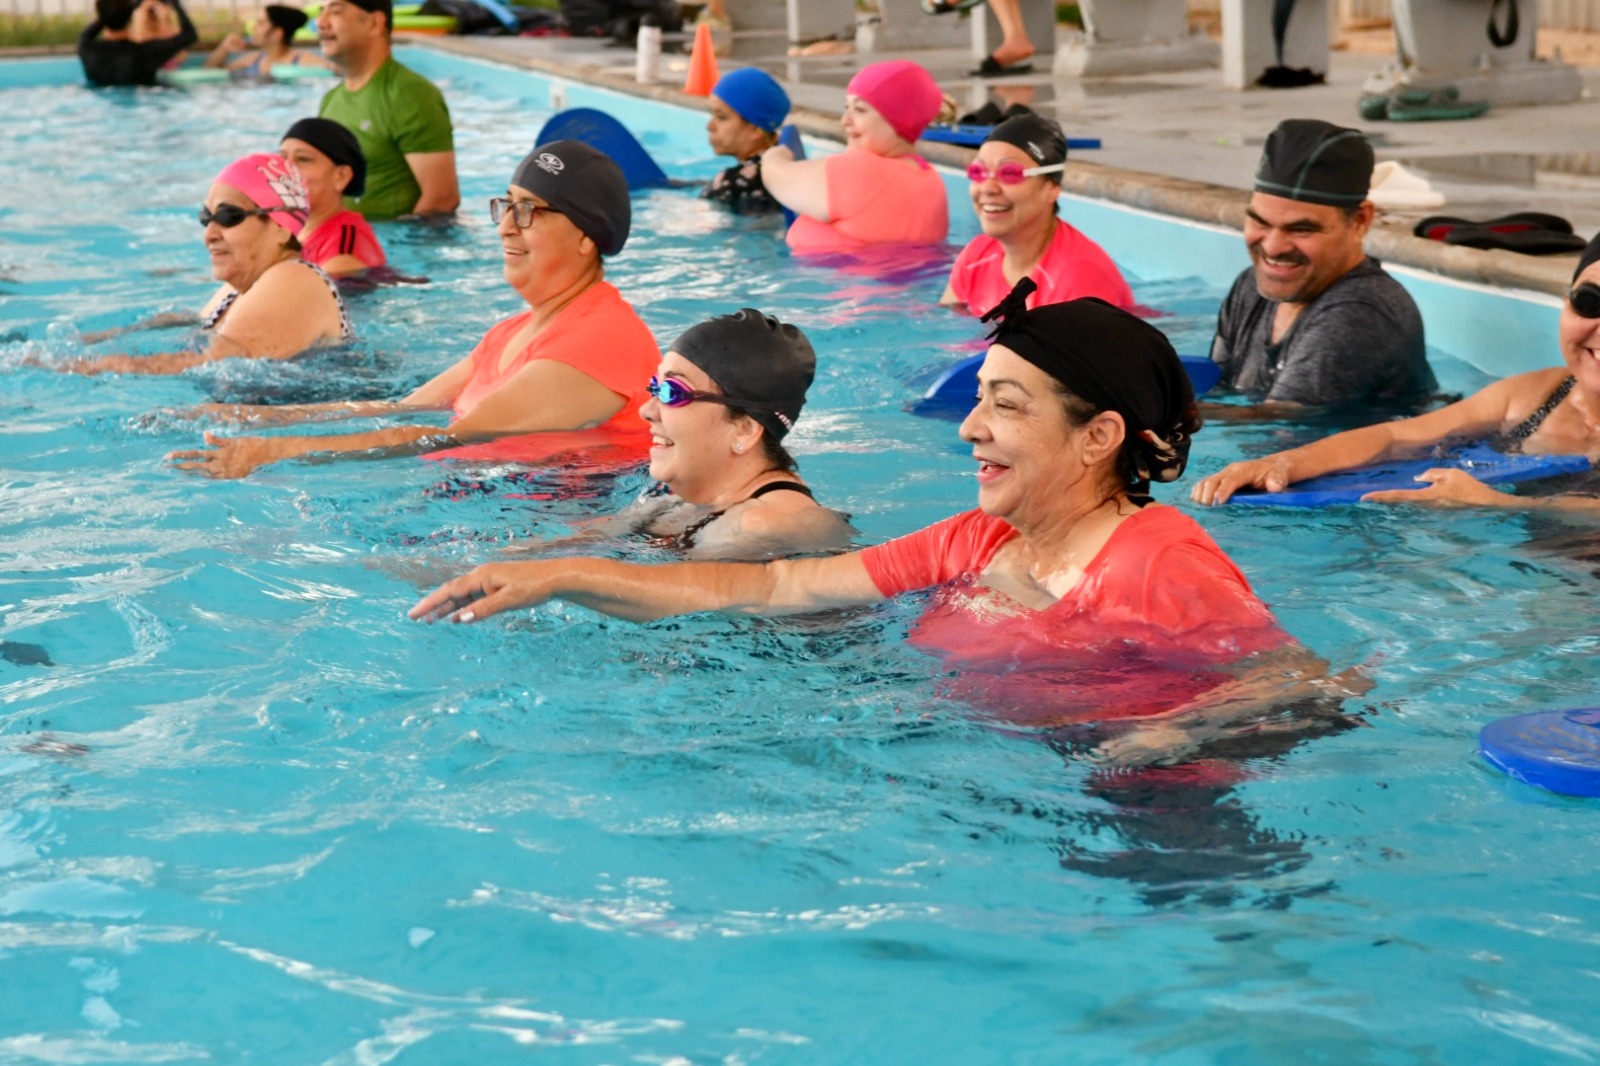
x: 249, y: 813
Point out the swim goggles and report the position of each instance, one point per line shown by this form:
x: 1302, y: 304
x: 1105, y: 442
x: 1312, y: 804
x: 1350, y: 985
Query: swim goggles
x: 1585, y: 300
x: 230, y: 215
x: 1008, y: 173
x: 669, y: 392
x: 521, y: 210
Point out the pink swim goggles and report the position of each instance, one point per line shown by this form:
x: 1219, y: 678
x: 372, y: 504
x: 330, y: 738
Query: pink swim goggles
x: 1009, y: 172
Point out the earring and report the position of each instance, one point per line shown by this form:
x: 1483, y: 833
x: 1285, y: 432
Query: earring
x: 738, y: 449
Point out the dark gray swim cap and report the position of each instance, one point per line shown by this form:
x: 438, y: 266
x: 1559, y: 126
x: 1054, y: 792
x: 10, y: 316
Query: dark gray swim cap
x: 1589, y: 256
x: 1036, y: 135
x: 757, y: 360
x: 1316, y: 162
x: 585, y: 185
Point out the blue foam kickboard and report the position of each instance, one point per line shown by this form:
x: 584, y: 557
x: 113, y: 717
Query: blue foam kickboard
x: 972, y: 136
x: 1554, y: 750
x: 599, y: 130
x: 1480, y: 460
x: 952, y: 393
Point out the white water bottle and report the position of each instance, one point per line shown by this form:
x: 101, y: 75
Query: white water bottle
x: 647, y: 59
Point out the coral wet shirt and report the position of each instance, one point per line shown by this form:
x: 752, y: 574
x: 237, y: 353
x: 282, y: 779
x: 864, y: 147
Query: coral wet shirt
x: 1155, y: 611
x: 1073, y: 266
x: 873, y: 199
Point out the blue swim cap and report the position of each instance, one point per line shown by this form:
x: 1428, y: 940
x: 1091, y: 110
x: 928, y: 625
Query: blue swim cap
x: 755, y: 96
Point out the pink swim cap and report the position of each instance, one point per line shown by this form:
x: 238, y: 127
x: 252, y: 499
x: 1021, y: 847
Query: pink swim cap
x: 902, y: 92
x: 270, y: 181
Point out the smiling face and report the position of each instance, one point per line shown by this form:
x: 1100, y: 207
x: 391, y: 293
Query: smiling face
x: 241, y: 254
x: 1300, y: 249
x: 865, y: 128
x: 1012, y: 212
x: 731, y: 135
x: 324, y: 180
x: 692, y: 447
x: 547, y: 256
x: 347, y: 33
x: 1033, y: 463
x: 1580, y: 339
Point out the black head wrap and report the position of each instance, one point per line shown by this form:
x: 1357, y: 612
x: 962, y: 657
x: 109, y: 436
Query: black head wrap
x: 1590, y: 256
x: 1114, y: 361
x: 764, y: 364
x: 1316, y: 162
x: 1036, y: 135
x: 585, y: 185
x: 287, y: 19
x: 338, y: 144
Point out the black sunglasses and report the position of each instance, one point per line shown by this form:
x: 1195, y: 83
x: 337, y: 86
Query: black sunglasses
x: 229, y: 215
x: 1585, y: 300
x: 521, y: 210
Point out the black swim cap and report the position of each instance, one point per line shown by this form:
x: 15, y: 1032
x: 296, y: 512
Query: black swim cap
x: 585, y: 185
x: 338, y: 144
x: 757, y: 359
x: 1316, y: 162
x: 289, y: 20
x: 1115, y: 361
x: 1590, y: 256
x: 1036, y: 135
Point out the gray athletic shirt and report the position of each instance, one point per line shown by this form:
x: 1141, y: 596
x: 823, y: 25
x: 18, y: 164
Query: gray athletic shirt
x: 1361, y: 340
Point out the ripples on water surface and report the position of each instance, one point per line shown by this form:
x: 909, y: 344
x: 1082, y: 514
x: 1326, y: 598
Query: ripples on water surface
x: 246, y: 811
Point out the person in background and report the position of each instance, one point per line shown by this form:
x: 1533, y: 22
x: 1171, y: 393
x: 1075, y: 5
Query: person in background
x: 1544, y: 412
x: 578, y: 358
x: 127, y: 44
x: 271, y: 305
x: 399, y: 116
x: 747, y: 108
x: 329, y: 160
x: 1315, y: 321
x: 878, y: 190
x: 1011, y: 55
x: 273, y: 30
x: 1015, y: 188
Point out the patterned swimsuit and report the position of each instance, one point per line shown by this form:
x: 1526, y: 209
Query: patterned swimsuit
x: 346, y: 331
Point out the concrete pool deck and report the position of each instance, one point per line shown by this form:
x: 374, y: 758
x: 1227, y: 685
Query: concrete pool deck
x: 1181, y: 143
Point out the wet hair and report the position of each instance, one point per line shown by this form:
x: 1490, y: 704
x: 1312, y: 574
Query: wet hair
x: 1080, y: 411
x: 771, y: 447
x: 115, y: 14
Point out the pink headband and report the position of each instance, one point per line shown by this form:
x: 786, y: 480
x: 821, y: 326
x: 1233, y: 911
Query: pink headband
x: 270, y: 181
x: 902, y: 92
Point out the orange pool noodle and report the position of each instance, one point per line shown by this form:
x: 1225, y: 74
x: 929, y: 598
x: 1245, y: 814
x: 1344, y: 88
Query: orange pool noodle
x: 702, y: 64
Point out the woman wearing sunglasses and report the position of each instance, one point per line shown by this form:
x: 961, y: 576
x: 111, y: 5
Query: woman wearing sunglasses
x: 726, y: 394
x: 878, y: 190
x: 1543, y: 412
x: 1016, y: 182
x: 577, y: 359
x: 272, y: 305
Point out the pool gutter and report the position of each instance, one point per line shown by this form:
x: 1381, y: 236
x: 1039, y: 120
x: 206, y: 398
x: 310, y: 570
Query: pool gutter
x: 1193, y: 201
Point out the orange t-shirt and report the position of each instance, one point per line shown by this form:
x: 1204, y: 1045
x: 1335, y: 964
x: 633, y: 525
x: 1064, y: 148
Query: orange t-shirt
x: 874, y: 199
x: 598, y: 333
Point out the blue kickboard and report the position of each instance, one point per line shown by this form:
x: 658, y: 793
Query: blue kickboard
x: 1554, y: 750
x: 789, y: 137
x: 952, y: 393
x: 1480, y: 460
x: 972, y: 136
x: 599, y: 130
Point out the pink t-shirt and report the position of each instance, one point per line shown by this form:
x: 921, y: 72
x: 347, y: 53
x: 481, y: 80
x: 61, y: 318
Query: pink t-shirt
x: 1156, y: 610
x: 346, y: 233
x: 1072, y: 266
x: 873, y: 199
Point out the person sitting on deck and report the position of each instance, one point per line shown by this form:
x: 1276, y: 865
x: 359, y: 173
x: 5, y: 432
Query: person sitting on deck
x: 878, y: 190
x: 1015, y: 189
x: 747, y: 107
x: 1315, y: 321
x: 129, y: 42
x: 578, y: 358
x: 1547, y: 412
x: 330, y: 162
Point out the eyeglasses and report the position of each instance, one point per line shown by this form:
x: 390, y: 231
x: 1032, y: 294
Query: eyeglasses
x: 1585, y: 300
x: 1008, y: 173
x: 521, y: 210
x: 230, y: 215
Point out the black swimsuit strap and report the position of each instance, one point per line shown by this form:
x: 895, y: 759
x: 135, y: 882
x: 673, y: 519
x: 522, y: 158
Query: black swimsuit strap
x: 686, y: 538
x: 1530, y: 425
x: 781, y: 486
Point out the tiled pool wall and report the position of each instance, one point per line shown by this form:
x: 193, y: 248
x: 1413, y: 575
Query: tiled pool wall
x: 1498, y: 331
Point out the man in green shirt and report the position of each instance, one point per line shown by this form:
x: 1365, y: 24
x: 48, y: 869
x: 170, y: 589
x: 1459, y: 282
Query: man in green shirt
x: 397, y: 115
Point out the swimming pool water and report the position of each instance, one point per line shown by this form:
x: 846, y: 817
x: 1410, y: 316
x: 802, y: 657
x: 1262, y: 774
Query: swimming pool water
x: 247, y: 812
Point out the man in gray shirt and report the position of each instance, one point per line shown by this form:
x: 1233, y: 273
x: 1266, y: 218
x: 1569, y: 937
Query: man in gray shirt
x: 1315, y: 321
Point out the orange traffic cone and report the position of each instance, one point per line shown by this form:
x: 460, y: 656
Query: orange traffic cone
x: 702, y: 63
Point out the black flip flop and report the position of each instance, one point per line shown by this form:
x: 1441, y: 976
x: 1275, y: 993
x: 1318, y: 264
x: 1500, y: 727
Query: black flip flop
x: 947, y: 7
x: 1523, y: 242
x: 991, y: 68
x: 1439, y: 227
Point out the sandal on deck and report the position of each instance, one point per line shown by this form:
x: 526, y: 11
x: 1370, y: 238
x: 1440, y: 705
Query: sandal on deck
x: 948, y: 7
x: 991, y: 68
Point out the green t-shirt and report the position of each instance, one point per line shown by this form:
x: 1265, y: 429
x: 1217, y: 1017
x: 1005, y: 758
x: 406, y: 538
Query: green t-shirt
x: 396, y: 113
